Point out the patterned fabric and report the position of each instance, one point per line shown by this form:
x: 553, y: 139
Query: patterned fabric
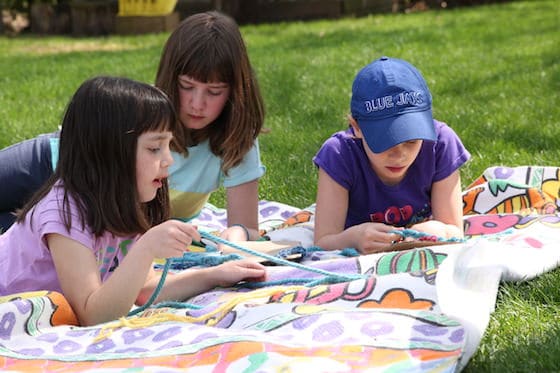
x: 423, y: 309
x: 524, y: 189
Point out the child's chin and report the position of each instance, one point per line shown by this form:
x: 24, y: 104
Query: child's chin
x: 148, y: 198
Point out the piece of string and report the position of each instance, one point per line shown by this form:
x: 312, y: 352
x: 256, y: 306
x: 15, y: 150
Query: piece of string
x: 330, y: 277
x: 280, y: 260
x: 406, y: 233
x: 157, y: 290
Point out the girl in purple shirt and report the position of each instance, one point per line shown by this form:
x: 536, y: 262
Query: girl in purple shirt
x: 94, y: 229
x: 394, y: 167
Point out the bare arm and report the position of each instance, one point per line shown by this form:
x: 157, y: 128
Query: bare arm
x: 447, y: 209
x: 191, y: 282
x: 134, y: 279
x: 93, y: 301
x: 330, y: 216
x: 242, y: 208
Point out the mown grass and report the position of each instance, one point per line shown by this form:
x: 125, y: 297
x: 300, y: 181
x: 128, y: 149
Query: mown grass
x: 494, y: 72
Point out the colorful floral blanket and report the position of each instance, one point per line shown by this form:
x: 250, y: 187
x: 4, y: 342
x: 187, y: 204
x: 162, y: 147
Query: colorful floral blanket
x: 421, y: 309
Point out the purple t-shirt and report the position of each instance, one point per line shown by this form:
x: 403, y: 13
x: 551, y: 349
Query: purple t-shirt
x: 344, y: 159
x: 26, y: 261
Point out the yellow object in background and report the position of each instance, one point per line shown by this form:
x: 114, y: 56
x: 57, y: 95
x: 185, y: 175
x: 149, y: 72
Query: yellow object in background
x: 146, y: 7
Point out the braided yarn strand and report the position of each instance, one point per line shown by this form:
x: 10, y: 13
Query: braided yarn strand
x: 330, y: 277
x: 280, y: 260
x: 405, y: 233
x: 156, y: 292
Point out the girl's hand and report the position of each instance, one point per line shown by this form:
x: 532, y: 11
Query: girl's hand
x: 233, y: 234
x: 373, y: 237
x: 195, y: 281
x: 169, y: 239
x: 236, y: 233
x: 439, y: 229
x: 232, y: 272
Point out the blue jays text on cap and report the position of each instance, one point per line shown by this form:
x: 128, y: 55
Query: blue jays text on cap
x: 392, y: 104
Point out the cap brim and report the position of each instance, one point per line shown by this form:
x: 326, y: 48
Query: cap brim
x: 383, y: 134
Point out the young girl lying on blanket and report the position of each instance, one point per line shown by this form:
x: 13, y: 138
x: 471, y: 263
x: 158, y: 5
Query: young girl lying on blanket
x: 93, y: 230
x: 206, y: 72
x: 394, y: 167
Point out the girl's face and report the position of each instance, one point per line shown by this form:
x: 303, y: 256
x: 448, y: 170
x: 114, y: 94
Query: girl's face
x: 392, y: 164
x: 153, y: 158
x: 200, y: 103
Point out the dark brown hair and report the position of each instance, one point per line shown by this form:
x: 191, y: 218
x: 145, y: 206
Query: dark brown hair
x: 97, y: 157
x: 208, y: 47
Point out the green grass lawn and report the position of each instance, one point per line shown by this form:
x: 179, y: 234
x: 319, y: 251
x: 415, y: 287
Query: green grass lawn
x: 494, y: 72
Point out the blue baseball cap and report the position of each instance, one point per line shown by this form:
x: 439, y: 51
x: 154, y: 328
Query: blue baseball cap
x: 392, y: 104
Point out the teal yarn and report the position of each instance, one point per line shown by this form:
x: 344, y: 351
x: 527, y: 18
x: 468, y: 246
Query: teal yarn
x: 156, y: 292
x: 305, y: 251
x: 280, y: 260
x: 293, y: 281
x: 172, y: 304
x: 349, y: 251
x: 191, y: 259
x: 405, y: 233
x: 197, y: 259
x: 210, y: 260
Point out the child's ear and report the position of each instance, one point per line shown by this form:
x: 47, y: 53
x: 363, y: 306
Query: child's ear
x: 355, y: 127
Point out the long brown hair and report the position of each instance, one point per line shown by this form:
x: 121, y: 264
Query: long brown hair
x: 208, y: 47
x: 97, y: 156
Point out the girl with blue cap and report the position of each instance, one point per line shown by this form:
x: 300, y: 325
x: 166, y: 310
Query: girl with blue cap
x: 395, y: 167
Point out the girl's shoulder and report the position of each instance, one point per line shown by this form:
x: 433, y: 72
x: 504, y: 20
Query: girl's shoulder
x: 49, y: 217
x: 53, y: 205
x: 340, y: 147
x: 342, y: 138
x: 444, y: 131
x: 54, y: 197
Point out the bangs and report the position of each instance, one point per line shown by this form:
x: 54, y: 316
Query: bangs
x: 209, y: 64
x: 157, y: 114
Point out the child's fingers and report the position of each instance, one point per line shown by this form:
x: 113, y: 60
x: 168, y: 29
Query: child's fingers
x: 251, y: 264
x: 395, y: 238
x: 190, y: 232
x: 253, y: 273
